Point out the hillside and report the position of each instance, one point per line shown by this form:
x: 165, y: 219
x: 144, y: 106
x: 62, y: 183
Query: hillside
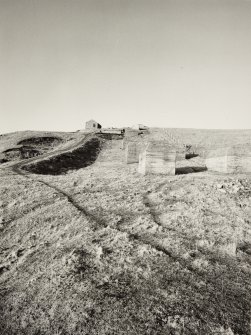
x: 207, y: 138
x: 98, y: 249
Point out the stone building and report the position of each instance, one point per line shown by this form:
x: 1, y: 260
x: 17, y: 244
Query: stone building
x: 92, y: 125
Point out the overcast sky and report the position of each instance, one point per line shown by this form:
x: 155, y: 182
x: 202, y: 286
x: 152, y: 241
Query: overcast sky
x: 166, y: 63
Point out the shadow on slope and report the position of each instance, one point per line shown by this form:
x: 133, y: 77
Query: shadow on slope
x: 191, y: 155
x: 190, y: 169
x: 62, y: 163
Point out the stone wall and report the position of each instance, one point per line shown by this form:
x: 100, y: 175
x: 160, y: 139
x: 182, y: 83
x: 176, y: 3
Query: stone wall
x: 131, y: 135
x: 157, y: 158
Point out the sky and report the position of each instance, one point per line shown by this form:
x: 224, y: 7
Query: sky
x: 163, y: 63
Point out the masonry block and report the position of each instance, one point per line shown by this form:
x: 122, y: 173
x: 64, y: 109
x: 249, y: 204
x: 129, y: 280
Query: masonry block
x: 157, y: 158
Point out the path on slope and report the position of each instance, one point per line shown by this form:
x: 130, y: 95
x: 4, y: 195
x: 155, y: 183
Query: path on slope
x: 17, y: 166
x: 157, y: 224
x: 17, y: 169
x: 112, y: 158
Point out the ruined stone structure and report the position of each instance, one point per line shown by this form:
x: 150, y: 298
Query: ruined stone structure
x: 130, y: 135
x: 139, y: 126
x: 180, y: 154
x: 115, y: 131
x: 157, y: 158
x: 235, y: 159
x: 92, y: 125
x: 132, y: 152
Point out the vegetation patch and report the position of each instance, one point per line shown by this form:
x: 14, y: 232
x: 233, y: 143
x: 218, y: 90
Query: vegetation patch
x: 43, y: 141
x: 73, y: 160
x: 29, y: 148
x: 106, y: 251
x: 18, y: 153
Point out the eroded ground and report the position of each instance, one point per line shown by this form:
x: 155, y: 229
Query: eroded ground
x: 104, y: 250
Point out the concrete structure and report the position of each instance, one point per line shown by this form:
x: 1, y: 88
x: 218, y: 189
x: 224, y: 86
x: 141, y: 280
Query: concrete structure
x: 180, y: 154
x: 157, y: 158
x: 124, y: 142
x: 129, y: 132
x: 139, y: 126
x: 92, y: 125
x: 235, y: 159
x: 116, y: 131
x: 132, y: 152
x: 130, y: 135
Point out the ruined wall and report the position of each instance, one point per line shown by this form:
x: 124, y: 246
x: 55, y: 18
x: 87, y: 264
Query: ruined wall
x: 157, y: 158
x: 218, y: 164
x: 236, y: 159
x: 132, y: 153
x: 180, y: 154
x: 130, y: 135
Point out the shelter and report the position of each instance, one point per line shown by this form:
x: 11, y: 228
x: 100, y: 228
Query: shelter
x: 92, y: 125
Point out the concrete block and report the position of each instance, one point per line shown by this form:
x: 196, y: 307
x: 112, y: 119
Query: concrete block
x: 157, y: 158
x: 218, y: 164
x: 132, y: 152
x: 229, y: 160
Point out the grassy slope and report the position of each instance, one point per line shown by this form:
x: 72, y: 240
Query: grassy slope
x: 80, y: 157
x: 206, y: 137
x: 10, y: 140
x: 120, y: 253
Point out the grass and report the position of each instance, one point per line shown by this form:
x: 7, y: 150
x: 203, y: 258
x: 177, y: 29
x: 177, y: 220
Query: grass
x: 63, y: 162
x: 105, y: 250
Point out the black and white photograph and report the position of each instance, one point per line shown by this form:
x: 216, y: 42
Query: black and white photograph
x: 125, y: 167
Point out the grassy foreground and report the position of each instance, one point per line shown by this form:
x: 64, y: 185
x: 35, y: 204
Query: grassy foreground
x: 104, y: 250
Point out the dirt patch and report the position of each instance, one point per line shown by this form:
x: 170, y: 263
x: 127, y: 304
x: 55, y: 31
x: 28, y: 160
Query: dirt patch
x: 76, y: 159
